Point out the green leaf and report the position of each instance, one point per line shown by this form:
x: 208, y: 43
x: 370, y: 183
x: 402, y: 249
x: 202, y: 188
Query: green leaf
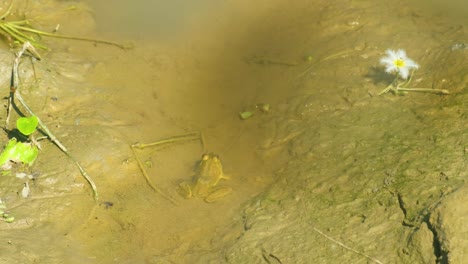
x: 8, y: 152
x: 26, y: 152
x: 18, y: 152
x: 27, y: 125
x: 245, y: 115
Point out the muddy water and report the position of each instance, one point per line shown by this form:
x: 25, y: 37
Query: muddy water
x: 195, y: 77
x: 316, y: 157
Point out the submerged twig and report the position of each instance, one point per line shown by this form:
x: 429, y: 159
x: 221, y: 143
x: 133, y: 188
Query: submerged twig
x: 150, y: 182
x: 191, y: 136
x: 186, y: 137
x: 422, y: 90
x: 346, y: 247
x: 14, y: 92
x: 329, y: 57
x: 18, y: 26
x: 10, y: 7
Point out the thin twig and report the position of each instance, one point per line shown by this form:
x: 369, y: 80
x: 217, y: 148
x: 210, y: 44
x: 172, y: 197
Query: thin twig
x: 329, y: 57
x: 346, y: 247
x: 28, y: 46
x: 43, y: 33
x: 190, y: 136
x: 10, y: 7
x: 423, y: 90
x: 150, y: 183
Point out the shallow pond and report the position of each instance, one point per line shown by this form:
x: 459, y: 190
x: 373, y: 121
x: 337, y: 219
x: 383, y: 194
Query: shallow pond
x: 329, y: 162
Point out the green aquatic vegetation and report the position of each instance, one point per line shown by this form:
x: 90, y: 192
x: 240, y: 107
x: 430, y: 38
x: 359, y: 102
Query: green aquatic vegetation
x: 245, y: 115
x: 27, y: 125
x: 18, y: 152
x: 21, y: 152
x: 21, y: 31
x: 260, y: 107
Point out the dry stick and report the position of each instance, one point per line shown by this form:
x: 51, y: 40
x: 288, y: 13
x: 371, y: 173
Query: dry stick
x: 28, y: 46
x: 191, y: 136
x: 346, y: 247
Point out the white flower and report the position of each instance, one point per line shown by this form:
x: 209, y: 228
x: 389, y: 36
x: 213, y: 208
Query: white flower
x: 397, y: 61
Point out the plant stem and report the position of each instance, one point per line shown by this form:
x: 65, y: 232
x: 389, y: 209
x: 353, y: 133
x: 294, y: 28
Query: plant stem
x: 14, y: 28
x: 150, y: 183
x: 401, y: 87
x: 389, y: 87
x: 28, y: 46
x: 423, y: 90
x: 42, y: 33
x: 10, y: 7
x: 191, y: 136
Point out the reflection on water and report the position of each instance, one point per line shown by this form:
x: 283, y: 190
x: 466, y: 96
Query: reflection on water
x: 455, y: 9
x: 149, y: 19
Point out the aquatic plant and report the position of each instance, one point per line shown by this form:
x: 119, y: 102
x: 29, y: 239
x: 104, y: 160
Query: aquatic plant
x: 397, y: 62
x: 260, y: 107
x: 21, y: 152
x: 21, y: 31
x: 27, y: 125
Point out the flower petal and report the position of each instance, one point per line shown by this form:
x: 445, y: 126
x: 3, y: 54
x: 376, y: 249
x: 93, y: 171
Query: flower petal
x: 411, y: 63
x: 404, y: 72
x: 390, y: 68
x: 401, y: 54
x: 391, y: 54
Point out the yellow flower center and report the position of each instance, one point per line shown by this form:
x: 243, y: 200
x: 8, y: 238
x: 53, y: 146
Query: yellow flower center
x: 399, y: 63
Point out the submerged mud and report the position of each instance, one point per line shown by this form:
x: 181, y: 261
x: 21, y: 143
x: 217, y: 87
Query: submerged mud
x: 332, y: 173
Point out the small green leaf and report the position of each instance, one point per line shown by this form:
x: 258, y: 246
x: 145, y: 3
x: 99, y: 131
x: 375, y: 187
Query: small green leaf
x: 26, y: 152
x: 245, y: 115
x: 8, y: 152
x: 15, y: 151
x: 27, y: 125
